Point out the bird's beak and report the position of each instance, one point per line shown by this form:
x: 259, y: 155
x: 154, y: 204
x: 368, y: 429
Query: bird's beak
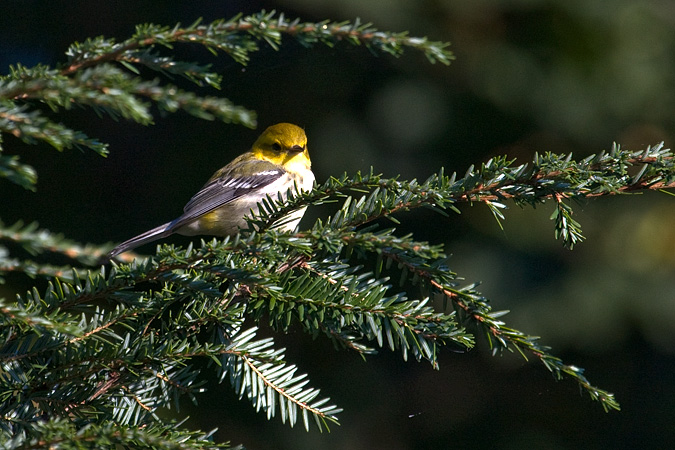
x: 298, y: 148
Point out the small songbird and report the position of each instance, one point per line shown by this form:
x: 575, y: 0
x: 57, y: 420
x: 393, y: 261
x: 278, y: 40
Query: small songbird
x: 278, y: 161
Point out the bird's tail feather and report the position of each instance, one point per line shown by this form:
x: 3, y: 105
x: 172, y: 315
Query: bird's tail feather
x: 149, y: 236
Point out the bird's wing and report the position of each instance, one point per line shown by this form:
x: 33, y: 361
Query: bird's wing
x: 225, y: 187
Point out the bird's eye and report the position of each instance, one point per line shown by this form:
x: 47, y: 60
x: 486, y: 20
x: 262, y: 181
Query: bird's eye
x: 276, y: 146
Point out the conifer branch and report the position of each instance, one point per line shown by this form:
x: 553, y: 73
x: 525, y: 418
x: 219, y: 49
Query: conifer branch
x: 34, y: 269
x: 548, y: 177
x: 60, y: 433
x: 237, y: 37
x: 15, y: 171
x: 104, y: 75
x: 259, y: 372
x: 37, y: 241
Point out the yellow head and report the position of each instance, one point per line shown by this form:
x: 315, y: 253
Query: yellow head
x: 283, y: 144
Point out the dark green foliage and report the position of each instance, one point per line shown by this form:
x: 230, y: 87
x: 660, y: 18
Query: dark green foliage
x: 65, y: 435
x: 104, y: 75
x: 89, y: 362
x: 93, y: 359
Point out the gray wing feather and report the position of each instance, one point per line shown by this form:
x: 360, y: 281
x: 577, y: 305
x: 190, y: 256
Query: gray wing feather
x: 222, y: 190
x: 214, y: 194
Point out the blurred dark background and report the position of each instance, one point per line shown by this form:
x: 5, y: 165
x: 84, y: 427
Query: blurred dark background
x: 530, y: 76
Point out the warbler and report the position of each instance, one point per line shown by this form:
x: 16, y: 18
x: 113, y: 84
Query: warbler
x: 278, y: 161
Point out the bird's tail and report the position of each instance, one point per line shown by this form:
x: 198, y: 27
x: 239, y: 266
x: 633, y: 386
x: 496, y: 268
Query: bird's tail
x: 149, y: 236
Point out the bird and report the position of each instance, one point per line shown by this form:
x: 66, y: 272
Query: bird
x: 277, y: 161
